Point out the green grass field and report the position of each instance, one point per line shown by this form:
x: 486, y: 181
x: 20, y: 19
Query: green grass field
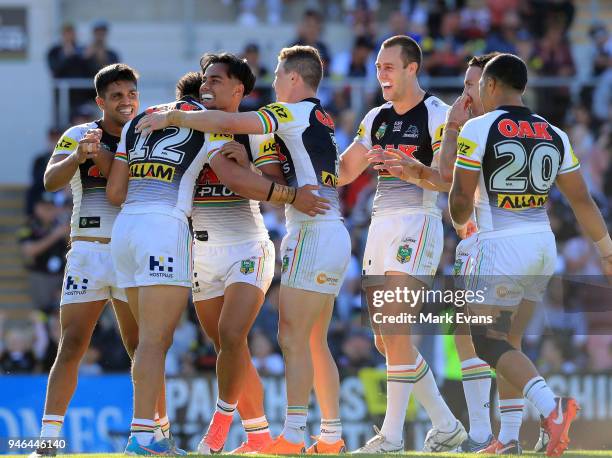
x: 568, y: 454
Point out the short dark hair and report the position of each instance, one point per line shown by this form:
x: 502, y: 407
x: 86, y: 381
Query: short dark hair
x: 236, y: 68
x: 189, y: 85
x: 509, y: 69
x: 113, y: 73
x: 481, y: 61
x: 305, y: 61
x: 411, y: 51
x: 312, y: 14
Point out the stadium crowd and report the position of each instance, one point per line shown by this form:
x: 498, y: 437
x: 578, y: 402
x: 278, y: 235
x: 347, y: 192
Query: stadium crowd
x: 538, y: 31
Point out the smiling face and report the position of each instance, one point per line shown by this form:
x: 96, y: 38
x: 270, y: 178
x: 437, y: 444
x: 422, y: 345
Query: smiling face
x: 119, y: 102
x: 393, y: 76
x: 470, y: 89
x: 220, y: 91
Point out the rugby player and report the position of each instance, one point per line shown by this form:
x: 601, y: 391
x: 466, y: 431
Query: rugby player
x: 405, y: 238
x: 476, y: 373
x: 154, y: 176
x: 233, y: 260
x: 511, y: 157
x: 89, y: 278
x: 316, y: 249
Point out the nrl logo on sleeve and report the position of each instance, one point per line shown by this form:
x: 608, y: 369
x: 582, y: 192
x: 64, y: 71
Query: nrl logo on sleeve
x: 381, y: 131
x: 247, y: 266
x: 285, y: 265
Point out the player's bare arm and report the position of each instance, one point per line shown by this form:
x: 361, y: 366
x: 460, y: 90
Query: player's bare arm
x: 61, y: 169
x: 408, y: 169
x: 203, y: 121
x: 457, y: 115
x: 587, y: 214
x: 461, y: 196
x: 245, y: 182
x: 117, y: 182
x: 352, y: 163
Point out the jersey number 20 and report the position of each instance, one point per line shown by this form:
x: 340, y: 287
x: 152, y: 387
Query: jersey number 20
x: 544, y: 162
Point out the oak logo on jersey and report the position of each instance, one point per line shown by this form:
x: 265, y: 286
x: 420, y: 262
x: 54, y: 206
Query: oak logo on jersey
x: 94, y: 171
x: 247, y: 266
x: 381, y: 131
x: 324, y: 119
x: 152, y: 171
x: 66, y: 144
x: 404, y: 253
x: 465, y: 147
x: 520, y: 201
x: 281, y: 112
x: 75, y: 285
x: 160, y: 266
x: 329, y: 179
x: 523, y: 129
x: 217, y: 137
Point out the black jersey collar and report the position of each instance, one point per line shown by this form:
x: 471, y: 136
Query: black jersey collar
x: 514, y: 108
x: 312, y: 99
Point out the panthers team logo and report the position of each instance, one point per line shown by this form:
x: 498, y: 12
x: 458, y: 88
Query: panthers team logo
x: 404, y: 253
x: 247, y: 266
x: 381, y: 131
x: 285, y: 265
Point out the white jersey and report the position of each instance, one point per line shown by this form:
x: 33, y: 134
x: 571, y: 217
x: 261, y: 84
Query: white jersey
x: 92, y: 214
x: 518, y: 156
x: 418, y: 134
x: 163, y: 165
x: 308, y: 152
x: 223, y: 216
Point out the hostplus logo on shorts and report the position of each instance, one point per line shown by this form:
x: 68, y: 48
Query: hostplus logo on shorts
x: 160, y: 266
x: 75, y: 286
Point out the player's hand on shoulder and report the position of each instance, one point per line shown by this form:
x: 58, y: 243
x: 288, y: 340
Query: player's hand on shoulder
x: 237, y: 152
x: 459, y: 112
x: 89, y: 146
x: 156, y: 120
x: 310, y: 203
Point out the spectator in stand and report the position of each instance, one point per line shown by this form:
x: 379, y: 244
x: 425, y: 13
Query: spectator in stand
x: 552, y: 57
x: 262, y: 93
x: 18, y: 355
x: 504, y: 38
x: 345, y: 129
x: 499, y: 8
x: 265, y: 360
x: 98, y: 54
x: 357, y: 353
x: 38, y: 170
x: 309, y: 32
x: 602, y: 67
x: 362, y: 17
x: 449, y: 54
x: 44, y: 243
x: 66, y: 59
x: 359, y: 62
